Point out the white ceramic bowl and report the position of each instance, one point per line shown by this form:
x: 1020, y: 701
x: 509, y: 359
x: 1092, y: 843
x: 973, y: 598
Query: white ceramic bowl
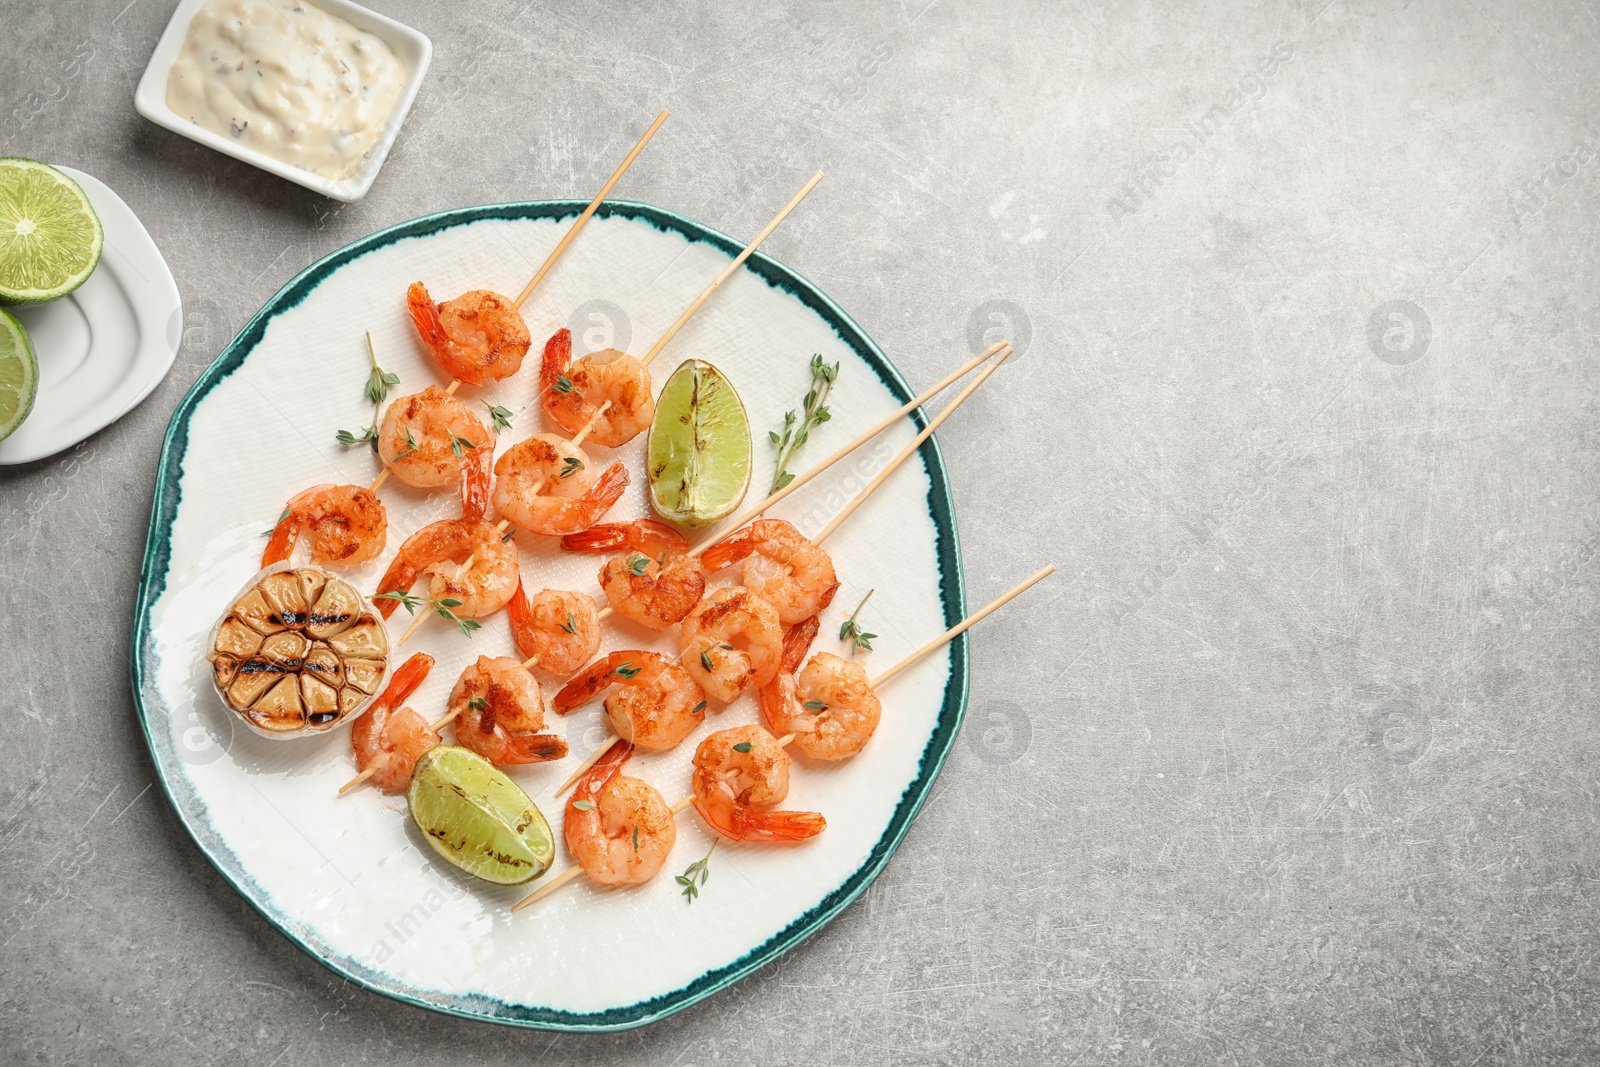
x: 411, y: 47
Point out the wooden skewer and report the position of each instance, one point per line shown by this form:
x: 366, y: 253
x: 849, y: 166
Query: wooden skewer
x: 909, y: 450
x: 727, y: 273
x: 915, y: 402
x: 883, y: 475
x: 605, y: 191
x: 910, y: 661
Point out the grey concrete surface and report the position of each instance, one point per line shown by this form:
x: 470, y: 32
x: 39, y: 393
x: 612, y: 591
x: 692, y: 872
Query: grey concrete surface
x: 1295, y: 761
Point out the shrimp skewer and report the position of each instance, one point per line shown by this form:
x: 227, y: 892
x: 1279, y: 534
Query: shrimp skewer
x: 614, y: 387
x: 819, y: 589
x: 910, y: 661
x: 347, y: 525
x: 481, y: 334
x: 389, y: 739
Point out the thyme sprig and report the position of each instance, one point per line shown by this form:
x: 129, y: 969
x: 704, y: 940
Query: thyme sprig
x: 697, y: 873
x: 813, y: 412
x: 442, y: 606
x: 851, y: 630
x: 378, y: 382
x: 500, y: 415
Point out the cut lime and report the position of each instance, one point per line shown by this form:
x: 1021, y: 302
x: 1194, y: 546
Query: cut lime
x: 19, y: 374
x: 477, y: 818
x: 50, y: 237
x: 699, y: 451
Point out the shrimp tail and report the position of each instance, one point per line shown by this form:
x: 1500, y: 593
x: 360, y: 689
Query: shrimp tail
x: 411, y: 674
x: 797, y: 642
x: 607, y: 490
x: 745, y: 824
x: 730, y: 550
x: 557, y: 354
x: 777, y: 698
x: 524, y: 631
x: 284, y: 536
x: 605, y: 537
x: 535, y: 748
x: 641, y: 535
x: 475, y: 483
x: 588, y: 683
x: 603, y: 771
x: 399, y: 578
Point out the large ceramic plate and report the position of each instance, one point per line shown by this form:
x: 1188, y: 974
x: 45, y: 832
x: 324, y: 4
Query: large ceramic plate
x: 349, y: 880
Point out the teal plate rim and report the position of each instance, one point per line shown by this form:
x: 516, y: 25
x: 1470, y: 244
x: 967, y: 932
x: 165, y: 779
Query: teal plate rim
x: 157, y: 558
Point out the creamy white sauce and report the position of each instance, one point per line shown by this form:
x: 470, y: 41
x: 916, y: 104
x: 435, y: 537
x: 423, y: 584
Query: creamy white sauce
x: 288, y: 80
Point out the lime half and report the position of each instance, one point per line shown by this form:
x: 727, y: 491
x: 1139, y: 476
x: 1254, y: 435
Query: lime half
x: 699, y: 451
x: 477, y: 818
x: 50, y: 237
x: 19, y: 374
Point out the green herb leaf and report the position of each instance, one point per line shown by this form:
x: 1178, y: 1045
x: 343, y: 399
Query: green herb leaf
x: 478, y: 704
x: 742, y: 746
x: 570, y: 466
x: 698, y: 708
x: 814, y: 412
x: 400, y: 596
x: 636, y: 839
x: 638, y: 564
x: 563, y: 384
x: 627, y: 670
x: 458, y: 443
x: 500, y: 415
x: 583, y: 805
x: 815, y: 705
x: 705, y: 661
x: 571, y: 625
x: 851, y: 630
x: 274, y: 528
x: 696, y: 874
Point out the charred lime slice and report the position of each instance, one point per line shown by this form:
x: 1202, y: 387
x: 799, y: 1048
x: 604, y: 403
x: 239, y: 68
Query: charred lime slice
x: 699, y: 450
x: 477, y: 818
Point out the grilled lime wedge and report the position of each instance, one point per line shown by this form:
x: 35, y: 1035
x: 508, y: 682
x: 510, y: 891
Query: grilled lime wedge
x: 699, y: 450
x: 19, y: 375
x: 477, y: 818
x: 50, y: 237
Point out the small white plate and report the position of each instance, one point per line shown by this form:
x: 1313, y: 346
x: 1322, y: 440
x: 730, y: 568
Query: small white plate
x: 411, y: 46
x: 103, y: 347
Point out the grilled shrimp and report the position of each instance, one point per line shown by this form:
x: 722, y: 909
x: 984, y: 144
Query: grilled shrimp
x: 429, y: 439
x: 656, y: 705
x: 389, y: 739
x: 347, y: 523
x: 546, y: 485
x: 558, y: 628
x: 438, y: 550
x: 618, y: 829
x: 740, y: 772
x: 499, y: 712
x: 479, y: 335
x: 781, y: 565
x: 829, y: 707
x: 655, y: 583
x: 730, y: 640
x: 572, y: 392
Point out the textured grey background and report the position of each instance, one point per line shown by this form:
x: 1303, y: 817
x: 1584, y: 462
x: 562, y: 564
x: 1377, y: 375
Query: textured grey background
x: 1294, y: 761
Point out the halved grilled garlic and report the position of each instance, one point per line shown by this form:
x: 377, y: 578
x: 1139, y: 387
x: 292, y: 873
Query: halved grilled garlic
x: 299, y: 652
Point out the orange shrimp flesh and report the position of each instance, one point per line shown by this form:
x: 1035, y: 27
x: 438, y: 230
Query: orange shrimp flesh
x: 389, y: 739
x: 478, y: 336
x: 739, y: 774
x: 347, y: 524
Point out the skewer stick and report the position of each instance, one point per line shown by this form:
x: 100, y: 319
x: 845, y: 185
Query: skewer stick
x: 938, y: 642
x: 577, y: 438
x: 605, y: 191
x: 917, y: 401
x: 906, y: 453
x: 727, y: 273
x: 357, y: 780
x: 583, y: 768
